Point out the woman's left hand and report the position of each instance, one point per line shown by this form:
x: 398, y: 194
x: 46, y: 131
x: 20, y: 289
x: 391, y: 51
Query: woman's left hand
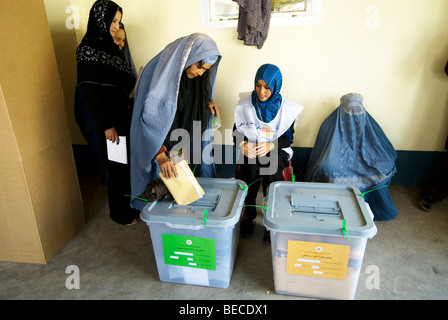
x: 213, y: 106
x: 264, y: 148
x: 112, y: 135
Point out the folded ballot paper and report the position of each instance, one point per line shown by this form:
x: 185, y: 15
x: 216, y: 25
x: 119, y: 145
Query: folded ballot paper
x: 185, y: 189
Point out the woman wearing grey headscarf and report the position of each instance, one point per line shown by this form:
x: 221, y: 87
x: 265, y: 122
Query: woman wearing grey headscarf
x: 175, y: 91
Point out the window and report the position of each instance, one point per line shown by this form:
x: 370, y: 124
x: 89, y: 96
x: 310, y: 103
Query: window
x: 224, y: 13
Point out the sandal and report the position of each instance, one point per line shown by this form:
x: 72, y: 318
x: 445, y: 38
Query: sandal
x: 132, y: 222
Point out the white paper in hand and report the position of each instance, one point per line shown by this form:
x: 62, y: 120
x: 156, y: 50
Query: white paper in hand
x: 117, y: 152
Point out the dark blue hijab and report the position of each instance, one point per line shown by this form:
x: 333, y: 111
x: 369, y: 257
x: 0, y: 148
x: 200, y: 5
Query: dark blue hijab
x: 272, y: 75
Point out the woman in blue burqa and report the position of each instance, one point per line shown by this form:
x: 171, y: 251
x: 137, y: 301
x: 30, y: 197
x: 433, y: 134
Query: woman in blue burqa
x: 175, y: 91
x: 351, y: 148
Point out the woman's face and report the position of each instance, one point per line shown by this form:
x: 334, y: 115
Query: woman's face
x: 115, y: 26
x: 262, y: 90
x: 120, y: 38
x: 194, y: 70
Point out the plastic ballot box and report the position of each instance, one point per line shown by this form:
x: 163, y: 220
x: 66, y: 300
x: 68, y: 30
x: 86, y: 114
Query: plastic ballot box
x: 319, y: 233
x: 196, y: 244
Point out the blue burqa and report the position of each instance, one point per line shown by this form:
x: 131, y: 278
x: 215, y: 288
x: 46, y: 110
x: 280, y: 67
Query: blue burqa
x: 156, y: 103
x: 351, y: 148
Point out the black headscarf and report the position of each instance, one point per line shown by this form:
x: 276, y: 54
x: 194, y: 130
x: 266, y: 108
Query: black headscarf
x: 98, y: 58
x: 126, y: 51
x: 192, y: 105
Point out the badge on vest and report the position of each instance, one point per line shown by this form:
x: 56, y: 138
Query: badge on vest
x: 266, y: 133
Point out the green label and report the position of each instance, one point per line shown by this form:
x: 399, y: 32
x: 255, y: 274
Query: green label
x: 190, y: 252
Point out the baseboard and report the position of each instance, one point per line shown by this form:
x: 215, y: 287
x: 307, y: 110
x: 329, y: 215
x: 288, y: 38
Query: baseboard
x: 413, y: 167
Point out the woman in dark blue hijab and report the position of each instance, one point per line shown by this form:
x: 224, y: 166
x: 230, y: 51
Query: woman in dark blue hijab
x: 263, y: 131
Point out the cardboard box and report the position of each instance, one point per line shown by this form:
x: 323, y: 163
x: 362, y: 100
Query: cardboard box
x: 40, y: 200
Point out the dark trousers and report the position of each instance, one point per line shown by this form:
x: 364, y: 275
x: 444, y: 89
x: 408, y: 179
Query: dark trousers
x: 250, y: 174
x: 118, y: 186
x: 436, y: 189
x: 118, y: 191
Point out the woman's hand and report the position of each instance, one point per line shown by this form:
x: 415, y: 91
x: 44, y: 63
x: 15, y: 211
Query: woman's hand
x: 214, y: 108
x: 112, y: 135
x: 252, y: 150
x: 249, y: 149
x: 166, y: 166
x: 264, y: 148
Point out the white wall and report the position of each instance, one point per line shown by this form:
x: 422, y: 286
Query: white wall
x: 397, y: 68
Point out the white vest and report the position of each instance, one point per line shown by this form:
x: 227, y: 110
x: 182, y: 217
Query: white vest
x: 247, y: 122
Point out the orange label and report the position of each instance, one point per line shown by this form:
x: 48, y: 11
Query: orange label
x: 317, y: 259
x: 266, y: 133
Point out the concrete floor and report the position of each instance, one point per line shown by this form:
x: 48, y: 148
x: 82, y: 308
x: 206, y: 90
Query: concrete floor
x: 409, y: 254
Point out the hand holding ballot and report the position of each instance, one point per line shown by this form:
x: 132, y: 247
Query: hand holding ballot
x: 185, y: 189
x: 166, y: 165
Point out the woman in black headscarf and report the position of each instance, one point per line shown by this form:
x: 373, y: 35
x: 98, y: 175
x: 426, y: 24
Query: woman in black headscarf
x: 106, y: 79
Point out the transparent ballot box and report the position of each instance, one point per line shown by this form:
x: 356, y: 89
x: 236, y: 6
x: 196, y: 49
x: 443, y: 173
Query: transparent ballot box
x: 319, y: 233
x: 196, y: 244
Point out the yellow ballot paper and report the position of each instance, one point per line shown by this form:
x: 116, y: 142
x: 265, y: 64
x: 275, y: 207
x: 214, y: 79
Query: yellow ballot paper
x: 185, y: 189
